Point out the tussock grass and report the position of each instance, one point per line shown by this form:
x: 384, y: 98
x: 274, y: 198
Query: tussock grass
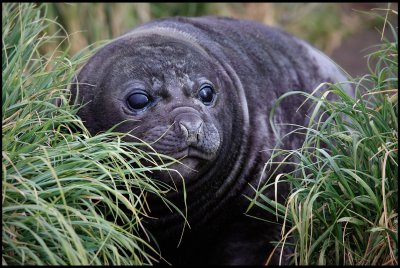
x: 68, y: 197
x: 343, y: 206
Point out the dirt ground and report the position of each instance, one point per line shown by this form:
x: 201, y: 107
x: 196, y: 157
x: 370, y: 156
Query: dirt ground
x: 348, y: 50
x: 351, y: 54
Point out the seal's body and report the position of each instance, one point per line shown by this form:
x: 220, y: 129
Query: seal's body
x: 202, y: 89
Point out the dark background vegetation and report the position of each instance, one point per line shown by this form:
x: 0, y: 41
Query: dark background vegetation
x: 341, y: 30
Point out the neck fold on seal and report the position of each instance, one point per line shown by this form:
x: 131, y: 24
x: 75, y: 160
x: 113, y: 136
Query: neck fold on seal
x: 167, y: 32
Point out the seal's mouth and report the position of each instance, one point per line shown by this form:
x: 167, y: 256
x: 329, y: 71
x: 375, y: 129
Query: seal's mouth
x: 193, y: 152
x: 192, y: 163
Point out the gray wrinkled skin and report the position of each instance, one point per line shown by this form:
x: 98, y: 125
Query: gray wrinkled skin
x: 225, y: 144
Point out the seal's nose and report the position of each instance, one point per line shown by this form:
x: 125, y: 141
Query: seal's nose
x: 191, y: 126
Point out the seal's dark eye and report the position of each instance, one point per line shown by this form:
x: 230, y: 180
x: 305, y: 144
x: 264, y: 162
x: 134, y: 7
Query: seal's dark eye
x: 206, y: 94
x: 139, y: 100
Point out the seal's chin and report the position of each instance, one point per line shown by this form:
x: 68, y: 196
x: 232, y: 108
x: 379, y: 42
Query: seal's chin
x: 192, y: 162
x: 192, y: 152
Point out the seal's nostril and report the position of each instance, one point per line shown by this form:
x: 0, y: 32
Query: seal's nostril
x: 191, y: 127
x: 184, y: 130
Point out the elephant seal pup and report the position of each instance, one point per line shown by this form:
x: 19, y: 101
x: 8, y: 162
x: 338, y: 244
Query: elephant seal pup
x: 202, y: 89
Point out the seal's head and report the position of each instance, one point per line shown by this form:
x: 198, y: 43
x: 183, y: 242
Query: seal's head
x: 163, y: 89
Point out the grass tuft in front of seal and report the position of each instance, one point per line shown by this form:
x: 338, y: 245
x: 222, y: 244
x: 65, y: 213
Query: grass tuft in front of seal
x: 67, y: 196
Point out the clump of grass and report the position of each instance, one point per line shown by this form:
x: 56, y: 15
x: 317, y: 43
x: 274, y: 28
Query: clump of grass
x: 68, y: 197
x: 343, y: 206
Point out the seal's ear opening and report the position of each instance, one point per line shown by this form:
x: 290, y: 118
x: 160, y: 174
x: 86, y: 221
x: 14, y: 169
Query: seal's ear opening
x: 72, y: 98
x: 73, y: 89
x: 81, y: 91
x: 60, y: 101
